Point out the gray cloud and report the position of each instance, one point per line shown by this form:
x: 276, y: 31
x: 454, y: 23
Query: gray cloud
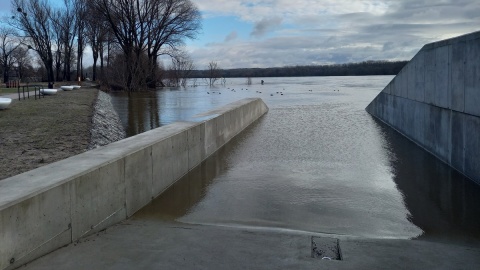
x: 264, y: 25
x: 232, y: 36
x: 388, y: 46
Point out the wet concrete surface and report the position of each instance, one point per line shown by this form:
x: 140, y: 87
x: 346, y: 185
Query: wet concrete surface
x: 172, y: 245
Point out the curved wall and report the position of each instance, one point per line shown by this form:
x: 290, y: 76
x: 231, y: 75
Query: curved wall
x: 57, y: 204
x: 435, y: 102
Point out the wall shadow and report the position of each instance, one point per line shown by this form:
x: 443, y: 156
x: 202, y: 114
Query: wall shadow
x: 183, y: 195
x: 441, y: 201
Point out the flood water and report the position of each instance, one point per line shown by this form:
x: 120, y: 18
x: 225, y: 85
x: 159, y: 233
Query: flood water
x: 317, y: 162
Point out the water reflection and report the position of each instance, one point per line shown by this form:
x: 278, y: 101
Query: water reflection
x: 184, y: 194
x: 138, y: 111
x: 441, y: 201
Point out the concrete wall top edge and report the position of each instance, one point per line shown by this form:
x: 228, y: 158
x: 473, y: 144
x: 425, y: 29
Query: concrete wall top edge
x: 452, y: 41
x: 126, y: 146
x: 28, y: 184
x: 227, y: 107
x: 438, y: 44
x: 23, y: 186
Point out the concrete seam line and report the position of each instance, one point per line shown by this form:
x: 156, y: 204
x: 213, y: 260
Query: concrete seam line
x: 72, y: 191
x: 125, y: 188
x: 151, y: 163
x: 98, y: 224
x: 42, y: 244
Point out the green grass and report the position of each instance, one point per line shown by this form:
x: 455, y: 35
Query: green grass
x: 4, y: 90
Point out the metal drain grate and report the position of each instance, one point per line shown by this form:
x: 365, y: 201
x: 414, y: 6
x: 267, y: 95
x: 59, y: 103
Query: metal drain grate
x: 326, y: 248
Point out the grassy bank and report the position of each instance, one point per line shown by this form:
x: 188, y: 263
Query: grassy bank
x: 4, y: 90
x: 37, y: 132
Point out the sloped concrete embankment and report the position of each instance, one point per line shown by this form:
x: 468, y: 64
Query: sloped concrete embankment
x: 57, y: 204
x: 435, y: 102
x: 106, y: 124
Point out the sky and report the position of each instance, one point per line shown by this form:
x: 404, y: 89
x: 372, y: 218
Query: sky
x: 270, y: 33
x: 273, y: 33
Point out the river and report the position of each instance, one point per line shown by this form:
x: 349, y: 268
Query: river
x: 317, y: 162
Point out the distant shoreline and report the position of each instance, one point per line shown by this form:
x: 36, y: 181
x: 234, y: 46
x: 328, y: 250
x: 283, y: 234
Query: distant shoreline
x: 367, y: 68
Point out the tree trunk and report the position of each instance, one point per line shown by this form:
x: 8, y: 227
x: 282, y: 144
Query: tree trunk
x: 58, y: 67
x: 94, y: 69
x: 152, y: 78
x: 66, y: 65
x: 79, y: 53
x: 69, y: 65
x: 57, y: 71
x: 128, y: 70
x: 50, y: 74
x: 102, y: 74
x: 5, y: 70
x: 5, y: 75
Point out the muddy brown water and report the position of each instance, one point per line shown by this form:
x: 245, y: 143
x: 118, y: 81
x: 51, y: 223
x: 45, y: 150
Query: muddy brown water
x: 316, y: 162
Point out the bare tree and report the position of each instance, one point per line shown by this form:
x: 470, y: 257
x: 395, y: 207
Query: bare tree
x: 33, y: 18
x: 124, y: 18
x: 80, y: 20
x: 58, y: 38
x: 107, y: 45
x: 23, y: 62
x: 187, y: 67
x: 180, y: 69
x: 213, y: 72
x: 171, y: 22
x: 65, y: 25
x: 8, y: 45
x: 145, y: 27
x: 97, y: 33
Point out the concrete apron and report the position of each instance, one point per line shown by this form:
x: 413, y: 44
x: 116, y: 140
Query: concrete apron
x: 141, y: 244
x: 57, y: 204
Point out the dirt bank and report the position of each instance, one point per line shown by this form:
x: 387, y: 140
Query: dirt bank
x: 34, y: 133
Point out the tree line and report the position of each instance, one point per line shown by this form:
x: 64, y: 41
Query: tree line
x: 349, y: 69
x: 127, y: 37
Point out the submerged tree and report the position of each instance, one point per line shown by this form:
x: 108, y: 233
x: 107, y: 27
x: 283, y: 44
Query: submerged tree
x: 180, y: 69
x: 213, y: 72
x: 147, y: 27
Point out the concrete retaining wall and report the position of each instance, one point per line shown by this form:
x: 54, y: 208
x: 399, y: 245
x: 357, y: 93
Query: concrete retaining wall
x: 52, y: 206
x: 435, y: 102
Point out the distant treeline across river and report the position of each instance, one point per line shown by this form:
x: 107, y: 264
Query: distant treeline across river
x: 349, y: 69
